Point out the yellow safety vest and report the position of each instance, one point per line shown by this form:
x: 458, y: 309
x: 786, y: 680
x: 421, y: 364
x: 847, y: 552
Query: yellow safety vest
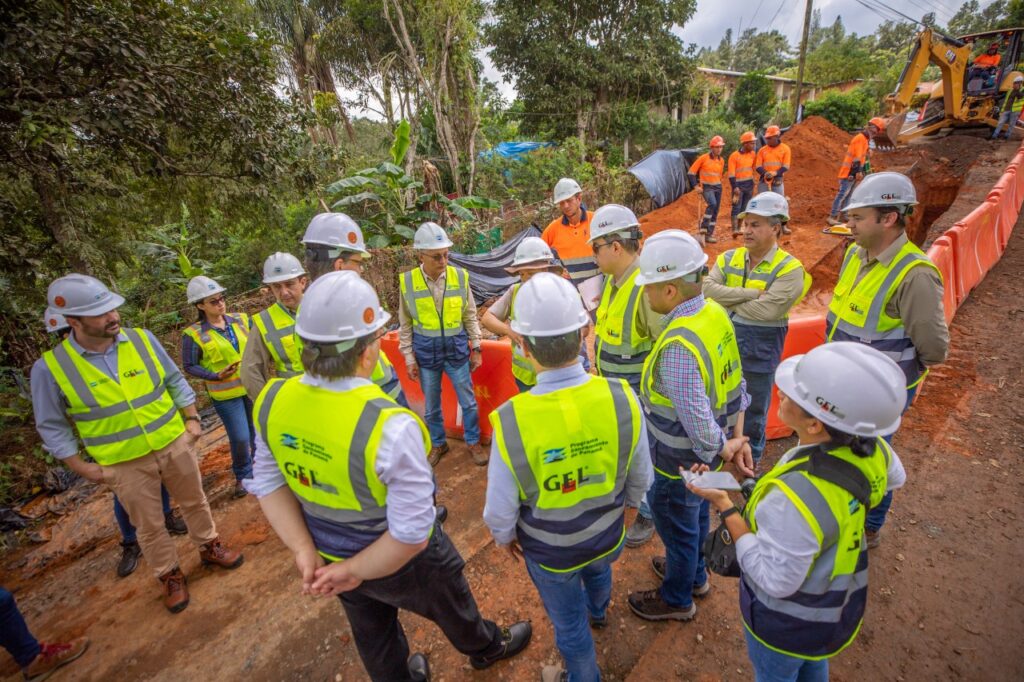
x: 521, y: 367
x: 420, y: 302
x: 218, y: 353
x: 118, y: 419
x: 569, y: 451
x: 621, y: 347
x: 277, y: 329
x: 384, y: 375
x: 733, y: 264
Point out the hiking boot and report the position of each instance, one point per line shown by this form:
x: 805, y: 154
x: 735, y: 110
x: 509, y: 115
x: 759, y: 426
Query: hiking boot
x: 554, y: 673
x: 419, y: 667
x: 53, y: 656
x: 217, y: 553
x: 479, y: 454
x: 175, y: 590
x: 441, y: 513
x: 649, y: 605
x: 833, y: 221
x: 514, y: 639
x: 239, y: 491
x: 658, y: 566
x: 711, y: 240
x: 873, y: 537
x: 640, y: 532
x: 130, y: 553
x: 436, y: 453
x: 174, y: 524
x: 598, y: 623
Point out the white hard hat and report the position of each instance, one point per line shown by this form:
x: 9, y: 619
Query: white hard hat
x: 281, y: 267
x: 883, y: 189
x: 1018, y: 79
x: 768, y: 204
x: 339, y: 306
x: 612, y: 218
x: 548, y: 305
x: 335, y: 230
x: 566, y: 188
x: 670, y: 255
x: 846, y: 385
x: 54, y: 321
x: 531, y: 251
x: 83, y: 295
x: 201, y: 286
x: 431, y: 236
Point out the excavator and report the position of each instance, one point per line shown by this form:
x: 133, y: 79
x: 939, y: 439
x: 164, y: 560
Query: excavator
x: 967, y: 96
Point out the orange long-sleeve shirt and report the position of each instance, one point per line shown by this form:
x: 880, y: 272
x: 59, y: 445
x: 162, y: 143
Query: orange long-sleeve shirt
x: 774, y: 159
x: 856, y: 153
x: 985, y: 59
x: 708, y: 170
x: 741, y: 166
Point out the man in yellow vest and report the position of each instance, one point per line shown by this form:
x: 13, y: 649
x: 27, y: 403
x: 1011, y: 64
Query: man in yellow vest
x: 124, y: 396
x: 567, y: 457
x: 439, y: 334
x: 274, y: 349
x: 334, y: 242
x: 889, y: 295
x: 694, y: 398
x: 341, y: 473
x: 757, y: 284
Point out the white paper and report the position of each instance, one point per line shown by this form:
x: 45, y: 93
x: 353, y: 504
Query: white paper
x: 717, y: 480
x: 591, y: 290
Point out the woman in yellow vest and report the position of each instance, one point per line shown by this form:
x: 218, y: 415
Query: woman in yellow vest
x: 800, y: 545
x: 211, y: 350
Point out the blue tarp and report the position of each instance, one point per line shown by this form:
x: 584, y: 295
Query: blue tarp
x: 514, y: 150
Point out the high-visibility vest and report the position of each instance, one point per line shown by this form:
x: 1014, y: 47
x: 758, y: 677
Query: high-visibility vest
x: 277, y: 329
x: 571, y: 245
x: 708, y: 170
x: 118, y: 419
x: 824, y: 615
x: 621, y: 347
x: 733, y: 264
x: 741, y: 166
x: 385, y: 376
x: 420, y: 302
x: 710, y: 337
x: 521, y: 367
x: 569, y: 451
x: 326, y: 443
x: 856, y: 151
x: 857, y: 310
x: 218, y: 353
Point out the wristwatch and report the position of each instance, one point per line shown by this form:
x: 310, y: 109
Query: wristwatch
x: 193, y: 419
x: 722, y: 516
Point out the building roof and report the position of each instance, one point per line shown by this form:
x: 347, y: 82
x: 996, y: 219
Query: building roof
x: 807, y: 84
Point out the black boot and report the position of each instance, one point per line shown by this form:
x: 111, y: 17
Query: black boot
x: 419, y: 668
x: 130, y: 553
x: 513, y: 640
x: 174, y: 523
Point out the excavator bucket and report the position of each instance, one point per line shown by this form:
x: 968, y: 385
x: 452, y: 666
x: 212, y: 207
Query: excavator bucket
x: 886, y: 139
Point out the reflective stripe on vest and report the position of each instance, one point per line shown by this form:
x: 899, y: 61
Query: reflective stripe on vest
x: 580, y: 269
x: 521, y: 367
x: 857, y: 309
x: 123, y: 418
x: 277, y: 329
x: 621, y: 348
x: 420, y: 302
x: 710, y: 337
x: 733, y: 264
x: 218, y: 353
x: 708, y: 170
x: 570, y: 451
x: 385, y: 376
x: 331, y: 470
x: 741, y: 166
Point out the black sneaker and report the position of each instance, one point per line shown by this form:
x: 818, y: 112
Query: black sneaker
x: 419, y: 668
x: 174, y: 523
x: 514, y: 639
x: 130, y: 553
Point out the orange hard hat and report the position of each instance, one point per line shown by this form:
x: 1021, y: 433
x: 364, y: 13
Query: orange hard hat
x: 717, y: 141
x: 994, y: 46
x: 878, y: 122
x: 772, y: 131
x: 747, y: 137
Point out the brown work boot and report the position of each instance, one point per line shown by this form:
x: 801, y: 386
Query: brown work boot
x: 217, y: 553
x: 436, y: 453
x: 239, y: 491
x: 479, y: 454
x: 175, y: 590
x: 649, y: 605
x: 53, y: 656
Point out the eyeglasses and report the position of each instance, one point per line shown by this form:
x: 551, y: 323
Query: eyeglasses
x: 596, y: 246
x: 215, y: 301
x: 436, y: 257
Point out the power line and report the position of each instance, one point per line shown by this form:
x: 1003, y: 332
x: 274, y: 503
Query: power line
x: 775, y: 16
x: 755, y: 12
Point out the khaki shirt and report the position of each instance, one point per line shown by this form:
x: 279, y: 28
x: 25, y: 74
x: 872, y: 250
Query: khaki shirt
x: 258, y: 365
x: 747, y: 302
x: 436, y: 288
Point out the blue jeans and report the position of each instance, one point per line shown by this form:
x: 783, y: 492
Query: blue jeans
x: 14, y: 634
x: 773, y: 666
x: 681, y: 519
x: 125, y: 524
x: 712, y: 197
x: 843, y: 195
x: 236, y: 414
x: 568, y: 598
x: 779, y: 187
x: 430, y: 381
x: 1007, y: 119
x: 759, y: 386
x: 876, y: 516
x: 744, y: 191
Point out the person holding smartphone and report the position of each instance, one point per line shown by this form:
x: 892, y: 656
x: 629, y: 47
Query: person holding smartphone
x: 211, y: 350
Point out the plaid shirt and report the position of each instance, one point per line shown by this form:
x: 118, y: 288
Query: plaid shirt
x: 677, y: 377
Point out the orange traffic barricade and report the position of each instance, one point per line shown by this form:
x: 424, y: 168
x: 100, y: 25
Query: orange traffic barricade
x: 804, y: 334
x: 978, y: 246
x: 942, y: 253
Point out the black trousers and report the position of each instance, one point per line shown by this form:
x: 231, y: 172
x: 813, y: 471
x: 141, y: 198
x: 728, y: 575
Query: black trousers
x: 432, y: 585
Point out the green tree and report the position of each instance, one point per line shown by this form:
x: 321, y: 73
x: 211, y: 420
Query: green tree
x: 754, y: 99
x: 972, y: 18
x: 766, y: 51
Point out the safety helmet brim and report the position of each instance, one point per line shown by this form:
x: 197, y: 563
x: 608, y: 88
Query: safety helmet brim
x: 114, y: 302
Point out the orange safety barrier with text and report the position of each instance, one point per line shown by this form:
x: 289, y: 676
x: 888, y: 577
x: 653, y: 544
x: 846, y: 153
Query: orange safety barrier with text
x: 978, y: 247
x: 943, y: 254
x: 804, y: 334
x: 493, y: 384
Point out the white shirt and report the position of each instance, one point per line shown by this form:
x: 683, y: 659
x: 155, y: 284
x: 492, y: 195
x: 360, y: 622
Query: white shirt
x: 401, y: 465
x: 778, y: 556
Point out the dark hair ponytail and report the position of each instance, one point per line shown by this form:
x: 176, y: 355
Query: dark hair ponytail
x: 861, y: 446
x: 200, y: 314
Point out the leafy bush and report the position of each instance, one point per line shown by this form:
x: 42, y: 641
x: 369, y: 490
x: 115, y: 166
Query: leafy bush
x: 754, y: 99
x: 849, y: 111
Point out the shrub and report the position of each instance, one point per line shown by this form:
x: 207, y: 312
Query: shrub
x: 849, y: 110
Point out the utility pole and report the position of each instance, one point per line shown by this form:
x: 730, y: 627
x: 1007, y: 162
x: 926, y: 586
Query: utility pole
x: 803, y: 58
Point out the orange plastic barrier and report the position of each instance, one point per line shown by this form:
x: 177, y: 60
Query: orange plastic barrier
x: 978, y: 246
x: 943, y: 254
x: 1005, y: 190
x: 1009, y: 211
x: 804, y: 334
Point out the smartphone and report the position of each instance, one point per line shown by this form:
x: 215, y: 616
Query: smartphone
x: 720, y: 480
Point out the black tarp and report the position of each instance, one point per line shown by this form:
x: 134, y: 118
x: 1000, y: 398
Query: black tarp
x: 663, y: 174
x: 487, y: 270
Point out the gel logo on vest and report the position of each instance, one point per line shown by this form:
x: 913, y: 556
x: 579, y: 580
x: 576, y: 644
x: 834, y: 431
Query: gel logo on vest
x: 133, y: 373
x: 570, y: 481
x: 854, y: 308
x: 307, y: 477
x: 727, y: 371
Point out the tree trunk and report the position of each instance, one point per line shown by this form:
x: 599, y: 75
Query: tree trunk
x: 52, y: 206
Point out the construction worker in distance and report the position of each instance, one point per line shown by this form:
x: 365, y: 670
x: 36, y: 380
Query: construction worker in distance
x: 1010, y: 108
x: 757, y: 284
x: 568, y: 234
x: 707, y: 171
x: 275, y: 348
x: 341, y: 473
x: 694, y: 398
x: 55, y: 324
x: 889, y: 294
x: 741, y: 177
x: 567, y: 457
x: 439, y: 334
x: 772, y: 163
x: 853, y: 169
x: 626, y: 324
x: 799, y: 542
x: 125, y: 396
x: 334, y: 241
x: 532, y: 256
x: 211, y: 350
x: 984, y: 66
